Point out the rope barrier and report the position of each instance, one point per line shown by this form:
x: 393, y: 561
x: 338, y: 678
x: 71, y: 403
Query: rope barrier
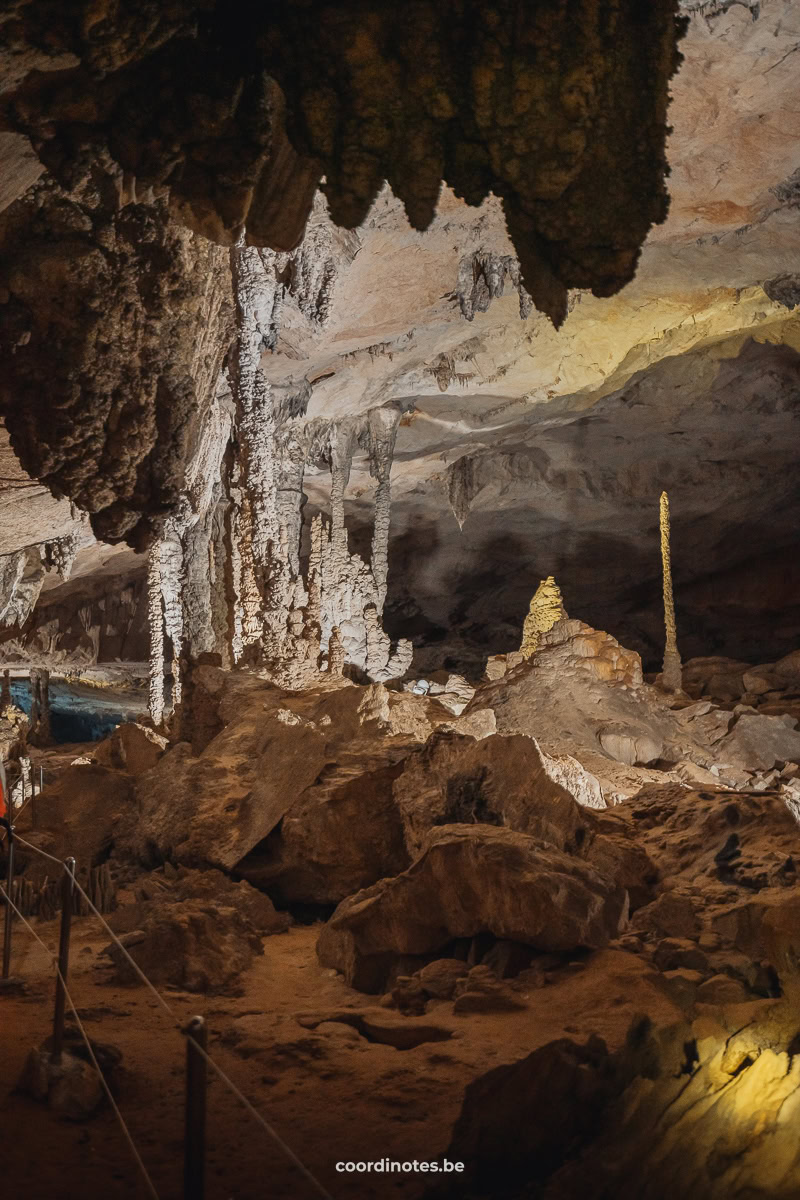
x: 173, y: 1016
x: 103, y: 1082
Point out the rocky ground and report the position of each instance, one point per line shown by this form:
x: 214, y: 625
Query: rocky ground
x: 378, y: 897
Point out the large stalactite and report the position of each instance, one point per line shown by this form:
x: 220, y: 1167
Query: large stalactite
x: 218, y: 118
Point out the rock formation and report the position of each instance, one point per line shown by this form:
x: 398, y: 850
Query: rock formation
x: 671, y: 672
x: 546, y: 608
x: 282, y: 294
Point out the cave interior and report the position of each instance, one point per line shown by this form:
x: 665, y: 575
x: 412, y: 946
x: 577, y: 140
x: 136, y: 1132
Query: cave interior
x: 387, y: 397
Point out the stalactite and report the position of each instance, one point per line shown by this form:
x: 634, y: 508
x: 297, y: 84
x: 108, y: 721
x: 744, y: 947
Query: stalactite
x: 482, y: 278
x: 672, y: 672
x: 155, y: 614
x: 61, y: 552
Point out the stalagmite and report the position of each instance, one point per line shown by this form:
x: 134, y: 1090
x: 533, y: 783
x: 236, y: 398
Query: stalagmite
x: 335, y: 653
x: 672, y: 675
x: 546, y: 608
x: 155, y: 615
x: 172, y: 576
x: 40, y: 706
x: 383, y: 424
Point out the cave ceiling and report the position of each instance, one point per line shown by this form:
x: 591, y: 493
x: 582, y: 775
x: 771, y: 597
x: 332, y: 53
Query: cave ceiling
x: 540, y: 423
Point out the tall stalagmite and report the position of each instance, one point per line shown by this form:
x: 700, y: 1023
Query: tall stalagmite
x: 546, y: 608
x: 672, y: 675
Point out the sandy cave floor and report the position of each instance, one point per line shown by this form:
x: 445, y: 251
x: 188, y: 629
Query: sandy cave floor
x: 329, y: 1092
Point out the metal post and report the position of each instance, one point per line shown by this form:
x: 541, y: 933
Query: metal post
x: 63, y: 958
x: 194, y: 1145
x: 9, y: 915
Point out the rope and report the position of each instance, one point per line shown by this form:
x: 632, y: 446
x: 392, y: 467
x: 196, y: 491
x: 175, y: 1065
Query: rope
x: 58, y: 861
x: 290, y: 1154
x: 126, y: 1132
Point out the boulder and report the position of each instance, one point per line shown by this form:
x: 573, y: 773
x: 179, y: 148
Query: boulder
x: 70, y: 1087
x: 80, y: 814
x: 707, y: 841
x: 439, y: 978
x: 582, y: 694
x: 757, y: 742
x: 194, y: 945
x: 481, y: 991
x: 471, y: 879
x: 332, y: 842
x: 671, y: 915
x: 131, y: 747
x: 217, y: 806
x: 787, y: 669
x: 721, y: 989
x: 495, y: 781
x: 249, y: 902
x: 635, y: 749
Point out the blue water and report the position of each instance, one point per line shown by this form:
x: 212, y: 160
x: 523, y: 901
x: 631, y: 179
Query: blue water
x: 75, y: 716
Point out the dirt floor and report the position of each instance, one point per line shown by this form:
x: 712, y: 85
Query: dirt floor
x: 330, y: 1092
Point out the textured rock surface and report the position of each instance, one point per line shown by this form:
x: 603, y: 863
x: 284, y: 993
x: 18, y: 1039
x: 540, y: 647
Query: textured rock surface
x: 224, y: 154
x: 496, y: 781
x: 471, y: 879
x: 193, y: 944
x: 113, y: 330
x: 637, y: 1123
x: 262, y: 757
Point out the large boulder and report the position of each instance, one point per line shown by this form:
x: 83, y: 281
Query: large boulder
x: 581, y: 694
x: 193, y: 944
x: 498, y: 780
x: 131, y: 747
x: 335, y: 840
x: 80, y: 814
x: 170, y: 885
x: 471, y: 879
x: 218, y: 801
x: 757, y: 742
x: 698, y: 1110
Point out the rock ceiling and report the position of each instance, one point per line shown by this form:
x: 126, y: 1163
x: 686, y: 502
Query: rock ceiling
x: 523, y: 450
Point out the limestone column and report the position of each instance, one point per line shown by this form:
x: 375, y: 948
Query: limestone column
x: 672, y: 672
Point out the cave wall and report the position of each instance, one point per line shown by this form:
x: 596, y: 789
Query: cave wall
x: 577, y: 497
x: 89, y: 622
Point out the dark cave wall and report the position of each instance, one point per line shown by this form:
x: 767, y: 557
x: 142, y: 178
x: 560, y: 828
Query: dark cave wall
x: 718, y: 428
x: 83, y: 623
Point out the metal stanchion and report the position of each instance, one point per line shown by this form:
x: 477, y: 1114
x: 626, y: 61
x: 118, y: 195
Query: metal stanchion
x: 9, y: 915
x: 194, y: 1146
x: 63, y: 959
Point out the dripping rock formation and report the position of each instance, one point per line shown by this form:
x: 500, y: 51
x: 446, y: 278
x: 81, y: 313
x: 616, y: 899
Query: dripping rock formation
x: 395, y: 718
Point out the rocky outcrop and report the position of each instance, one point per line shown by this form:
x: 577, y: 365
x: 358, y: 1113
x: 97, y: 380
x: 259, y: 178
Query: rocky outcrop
x: 505, y: 781
x: 581, y: 692
x: 471, y: 879
x: 310, y: 768
x: 194, y: 945
x: 571, y: 1120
